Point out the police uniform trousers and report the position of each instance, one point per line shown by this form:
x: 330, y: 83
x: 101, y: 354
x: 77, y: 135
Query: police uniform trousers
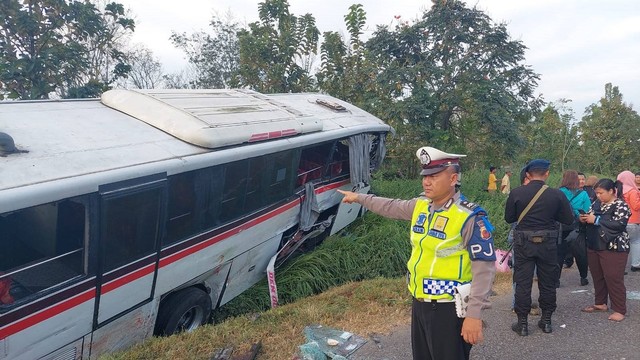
x: 435, y: 332
x: 540, y: 254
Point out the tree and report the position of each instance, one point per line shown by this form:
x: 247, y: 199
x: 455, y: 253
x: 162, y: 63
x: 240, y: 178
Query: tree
x: 214, y: 57
x: 610, y: 134
x: 46, y: 46
x: 271, y: 49
x: 344, y: 71
x: 552, y: 134
x: 458, y: 78
x: 146, y: 70
x: 106, y: 53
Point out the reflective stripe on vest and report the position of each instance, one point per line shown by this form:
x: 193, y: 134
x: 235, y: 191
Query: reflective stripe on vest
x: 438, y: 261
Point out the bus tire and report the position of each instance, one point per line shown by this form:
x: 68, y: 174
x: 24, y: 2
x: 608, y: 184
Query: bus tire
x: 185, y: 310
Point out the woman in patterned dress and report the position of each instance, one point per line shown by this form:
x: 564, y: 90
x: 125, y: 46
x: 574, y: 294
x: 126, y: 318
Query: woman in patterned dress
x: 608, y: 248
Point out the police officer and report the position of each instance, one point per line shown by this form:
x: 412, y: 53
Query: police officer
x: 448, y: 252
x: 535, y: 242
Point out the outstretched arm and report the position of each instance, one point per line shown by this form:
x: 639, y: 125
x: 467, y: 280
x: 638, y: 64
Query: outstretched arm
x: 390, y: 208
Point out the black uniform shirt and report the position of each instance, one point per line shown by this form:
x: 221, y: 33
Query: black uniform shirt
x: 550, y: 208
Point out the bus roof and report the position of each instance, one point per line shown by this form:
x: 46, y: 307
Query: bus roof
x: 70, y: 138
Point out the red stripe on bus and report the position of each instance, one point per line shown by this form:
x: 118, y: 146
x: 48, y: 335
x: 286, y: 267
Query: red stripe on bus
x: 47, y: 313
x: 197, y: 247
x: 332, y: 186
x: 130, y: 277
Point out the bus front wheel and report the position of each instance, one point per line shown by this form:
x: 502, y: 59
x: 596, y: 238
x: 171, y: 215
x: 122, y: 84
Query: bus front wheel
x: 185, y: 310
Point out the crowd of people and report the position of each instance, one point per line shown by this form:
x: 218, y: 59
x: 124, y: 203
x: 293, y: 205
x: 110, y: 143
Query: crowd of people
x: 451, y: 267
x: 592, y: 222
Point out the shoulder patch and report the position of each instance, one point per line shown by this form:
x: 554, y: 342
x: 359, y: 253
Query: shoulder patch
x: 468, y: 204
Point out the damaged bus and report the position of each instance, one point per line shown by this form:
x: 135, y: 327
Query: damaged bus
x: 140, y: 212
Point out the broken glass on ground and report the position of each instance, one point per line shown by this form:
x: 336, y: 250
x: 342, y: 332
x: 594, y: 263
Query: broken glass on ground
x: 633, y: 295
x: 334, y: 343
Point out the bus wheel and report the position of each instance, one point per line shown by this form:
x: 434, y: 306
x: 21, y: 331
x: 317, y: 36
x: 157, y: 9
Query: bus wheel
x: 185, y: 310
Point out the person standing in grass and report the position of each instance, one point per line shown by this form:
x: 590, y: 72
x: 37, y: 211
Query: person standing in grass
x: 493, y: 180
x: 452, y: 250
x: 505, y: 183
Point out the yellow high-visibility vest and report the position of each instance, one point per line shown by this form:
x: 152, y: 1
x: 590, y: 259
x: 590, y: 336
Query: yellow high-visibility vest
x: 439, y: 261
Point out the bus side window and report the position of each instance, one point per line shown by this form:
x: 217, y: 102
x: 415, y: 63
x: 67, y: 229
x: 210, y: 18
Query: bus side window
x: 194, y: 203
x: 42, y: 246
x: 235, y: 187
x: 130, y: 228
x: 313, y: 161
x: 339, y: 163
x: 181, y: 207
x: 255, y: 198
x: 280, y: 176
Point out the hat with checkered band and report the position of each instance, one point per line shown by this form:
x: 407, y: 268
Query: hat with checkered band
x: 434, y: 161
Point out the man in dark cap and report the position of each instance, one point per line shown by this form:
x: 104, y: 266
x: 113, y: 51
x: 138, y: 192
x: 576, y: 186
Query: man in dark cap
x: 447, y: 253
x: 537, y: 209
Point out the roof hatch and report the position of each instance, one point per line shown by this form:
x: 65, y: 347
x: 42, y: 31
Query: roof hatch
x: 213, y: 118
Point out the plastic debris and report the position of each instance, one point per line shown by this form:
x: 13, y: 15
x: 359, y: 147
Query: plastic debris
x: 311, y: 351
x: 323, y: 342
x: 633, y: 295
x: 563, y: 326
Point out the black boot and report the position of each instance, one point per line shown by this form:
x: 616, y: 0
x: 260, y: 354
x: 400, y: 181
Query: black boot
x: 521, y: 327
x: 545, y: 322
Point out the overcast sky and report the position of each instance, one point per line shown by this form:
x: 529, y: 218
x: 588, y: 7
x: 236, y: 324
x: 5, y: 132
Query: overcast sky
x: 577, y: 46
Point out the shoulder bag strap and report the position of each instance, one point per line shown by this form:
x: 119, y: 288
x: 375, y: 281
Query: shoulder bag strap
x: 533, y: 201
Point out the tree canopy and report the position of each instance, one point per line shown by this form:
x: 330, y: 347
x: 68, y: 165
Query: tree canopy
x: 58, y: 46
x: 214, y: 55
x: 458, y: 77
x: 272, y: 50
x: 610, y: 134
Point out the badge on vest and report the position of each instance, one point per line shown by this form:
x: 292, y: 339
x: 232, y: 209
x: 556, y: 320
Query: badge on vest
x: 437, y: 234
x: 440, y: 223
x: 419, y: 225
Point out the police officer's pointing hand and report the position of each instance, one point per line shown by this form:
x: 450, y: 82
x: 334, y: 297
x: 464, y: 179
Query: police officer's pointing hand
x: 349, y: 196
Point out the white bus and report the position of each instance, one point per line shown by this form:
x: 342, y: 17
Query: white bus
x: 140, y: 212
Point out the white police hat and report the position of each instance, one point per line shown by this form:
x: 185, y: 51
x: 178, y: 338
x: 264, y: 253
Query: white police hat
x: 433, y: 160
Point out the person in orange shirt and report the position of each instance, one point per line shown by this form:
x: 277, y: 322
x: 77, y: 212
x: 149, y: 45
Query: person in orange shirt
x: 631, y: 196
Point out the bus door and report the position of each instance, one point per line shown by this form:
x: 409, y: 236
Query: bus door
x: 130, y: 232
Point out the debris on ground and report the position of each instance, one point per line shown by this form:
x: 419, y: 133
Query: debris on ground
x: 376, y: 339
x: 223, y: 354
x: 252, y: 354
x: 323, y: 342
x: 633, y: 295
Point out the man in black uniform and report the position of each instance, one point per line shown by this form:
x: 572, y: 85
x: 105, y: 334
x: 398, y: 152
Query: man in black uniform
x: 535, y: 242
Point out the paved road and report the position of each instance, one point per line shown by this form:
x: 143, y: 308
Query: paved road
x: 576, y: 335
